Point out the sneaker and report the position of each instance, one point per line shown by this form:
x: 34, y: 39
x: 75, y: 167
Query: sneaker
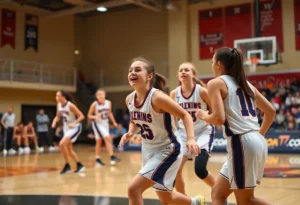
x: 51, y: 149
x: 99, y: 163
x: 80, y: 168
x: 21, y: 151
x: 26, y: 150
x: 200, y: 200
x: 65, y: 169
x: 114, y: 160
x: 12, y: 152
x: 41, y: 150
x: 4, y: 152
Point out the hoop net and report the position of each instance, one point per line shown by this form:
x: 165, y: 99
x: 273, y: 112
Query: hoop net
x: 251, y: 64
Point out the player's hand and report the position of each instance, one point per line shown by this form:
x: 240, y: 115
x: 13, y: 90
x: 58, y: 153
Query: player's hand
x: 192, y: 147
x: 115, y: 125
x: 53, y: 124
x: 98, y: 117
x: 125, y: 138
x: 201, y: 114
x: 71, y: 125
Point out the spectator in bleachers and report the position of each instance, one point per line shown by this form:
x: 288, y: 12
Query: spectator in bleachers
x: 297, y: 118
x: 297, y: 98
x: 42, y: 121
x: 280, y: 119
x: 8, y: 122
x: 289, y: 100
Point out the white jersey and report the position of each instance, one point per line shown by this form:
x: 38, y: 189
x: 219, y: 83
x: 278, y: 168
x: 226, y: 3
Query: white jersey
x: 67, y: 116
x: 103, y: 110
x: 191, y: 104
x: 157, y: 129
x: 240, y: 110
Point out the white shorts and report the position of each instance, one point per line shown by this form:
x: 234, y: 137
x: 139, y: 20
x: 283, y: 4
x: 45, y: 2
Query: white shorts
x: 73, y: 133
x: 246, y: 158
x: 100, y: 130
x: 161, y: 166
x: 204, y: 140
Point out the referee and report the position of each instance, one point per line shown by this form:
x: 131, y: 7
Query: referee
x: 8, y: 122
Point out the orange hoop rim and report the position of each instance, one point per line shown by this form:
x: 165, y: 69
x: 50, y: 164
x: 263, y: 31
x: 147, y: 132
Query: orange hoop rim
x: 254, y: 60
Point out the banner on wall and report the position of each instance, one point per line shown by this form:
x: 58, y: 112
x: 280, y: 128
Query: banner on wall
x: 31, y: 31
x: 271, y: 20
x: 210, y: 32
x: 297, y: 23
x: 278, y: 142
x: 8, y: 28
x: 235, y: 26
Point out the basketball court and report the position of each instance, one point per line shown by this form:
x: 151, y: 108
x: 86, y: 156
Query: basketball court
x: 35, y: 178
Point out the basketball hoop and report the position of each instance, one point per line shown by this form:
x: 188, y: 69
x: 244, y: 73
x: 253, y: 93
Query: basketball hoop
x: 251, y: 63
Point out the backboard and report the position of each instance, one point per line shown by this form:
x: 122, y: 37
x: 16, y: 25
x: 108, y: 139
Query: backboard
x: 263, y: 48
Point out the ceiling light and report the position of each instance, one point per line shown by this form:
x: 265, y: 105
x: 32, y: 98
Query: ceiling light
x: 101, y: 9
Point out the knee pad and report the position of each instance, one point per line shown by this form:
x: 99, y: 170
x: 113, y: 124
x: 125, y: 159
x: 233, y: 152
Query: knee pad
x: 200, y: 164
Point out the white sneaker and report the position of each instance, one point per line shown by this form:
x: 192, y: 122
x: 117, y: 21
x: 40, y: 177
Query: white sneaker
x: 200, y: 200
x: 26, y: 150
x: 41, y: 149
x: 4, y: 152
x: 51, y: 149
x: 56, y: 148
x: 21, y: 151
x: 12, y: 152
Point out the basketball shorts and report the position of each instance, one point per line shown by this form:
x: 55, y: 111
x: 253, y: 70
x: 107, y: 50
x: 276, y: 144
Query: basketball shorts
x: 161, y: 166
x: 100, y: 130
x: 73, y: 133
x: 246, y: 158
x: 204, y: 140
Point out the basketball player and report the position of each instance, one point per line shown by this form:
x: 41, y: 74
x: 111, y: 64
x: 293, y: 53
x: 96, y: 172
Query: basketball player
x: 233, y: 102
x: 151, y: 113
x: 191, y: 96
x: 21, y: 139
x: 29, y: 133
x: 100, y: 111
x: 72, y: 117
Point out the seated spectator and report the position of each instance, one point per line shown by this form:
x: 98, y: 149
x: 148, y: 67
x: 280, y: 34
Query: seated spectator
x: 291, y: 126
x: 29, y: 132
x: 289, y: 100
x: 280, y: 119
x: 281, y: 90
x: 297, y: 98
x: 275, y: 104
x: 297, y: 118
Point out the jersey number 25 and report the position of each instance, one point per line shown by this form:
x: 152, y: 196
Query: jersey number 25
x: 146, y: 132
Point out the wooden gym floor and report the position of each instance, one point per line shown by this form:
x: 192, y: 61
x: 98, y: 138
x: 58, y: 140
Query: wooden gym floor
x: 35, y: 178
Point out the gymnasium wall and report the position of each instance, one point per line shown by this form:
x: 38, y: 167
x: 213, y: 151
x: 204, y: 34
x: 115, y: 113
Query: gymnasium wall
x: 111, y: 40
x: 56, y: 39
x: 290, y: 55
x: 17, y: 97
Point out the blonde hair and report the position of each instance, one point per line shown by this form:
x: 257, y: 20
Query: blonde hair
x: 195, y: 79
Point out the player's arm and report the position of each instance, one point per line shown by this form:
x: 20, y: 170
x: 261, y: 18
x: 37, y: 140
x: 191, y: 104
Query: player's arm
x: 91, y: 113
x: 163, y: 103
x: 269, y: 112
x: 204, y: 96
x: 111, y: 115
x: 56, y: 119
x: 217, y: 115
x: 78, y: 114
x: 172, y: 95
x: 33, y: 131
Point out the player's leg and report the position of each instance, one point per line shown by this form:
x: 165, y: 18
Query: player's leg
x: 246, y: 196
x: 179, y: 182
x: 109, y: 148
x: 221, y: 190
x: 73, y: 155
x: 201, y: 168
x: 99, y: 140
x: 63, y: 149
x: 136, y: 188
x: 175, y: 198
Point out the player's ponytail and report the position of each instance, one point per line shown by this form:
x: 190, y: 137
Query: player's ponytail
x: 198, y: 81
x: 68, y: 96
x: 232, y: 59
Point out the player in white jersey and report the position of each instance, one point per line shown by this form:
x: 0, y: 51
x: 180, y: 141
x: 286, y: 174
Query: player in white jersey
x: 100, y: 112
x: 233, y: 104
x: 191, y: 96
x: 151, y: 113
x: 71, y: 117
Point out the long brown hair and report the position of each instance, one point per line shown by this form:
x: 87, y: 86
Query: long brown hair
x: 158, y: 81
x: 232, y: 60
x: 68, y: 96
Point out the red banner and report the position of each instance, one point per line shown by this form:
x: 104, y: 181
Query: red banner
x: 297, y: 23
x: 271, y: 20
x: 210, y: 32
x: 8, y: 28
x: 235, y: 26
